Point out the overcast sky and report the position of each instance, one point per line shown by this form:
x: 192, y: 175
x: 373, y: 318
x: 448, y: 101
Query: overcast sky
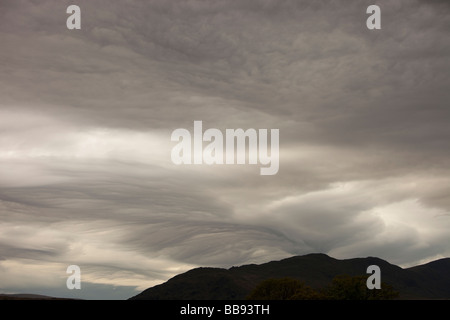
x: 86, y: 116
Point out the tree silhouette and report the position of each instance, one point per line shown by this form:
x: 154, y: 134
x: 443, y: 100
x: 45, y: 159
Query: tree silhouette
x: 283, y: 289
x: 342, y: 287
x: 345, y: 287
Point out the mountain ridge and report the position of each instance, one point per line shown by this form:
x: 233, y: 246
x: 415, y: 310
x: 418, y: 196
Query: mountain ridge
x: 427, y: 281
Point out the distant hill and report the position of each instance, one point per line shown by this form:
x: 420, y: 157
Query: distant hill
x: 27, y: 296
x: 428, y: 281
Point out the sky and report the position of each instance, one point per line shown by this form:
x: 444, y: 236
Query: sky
x: 86, y: 117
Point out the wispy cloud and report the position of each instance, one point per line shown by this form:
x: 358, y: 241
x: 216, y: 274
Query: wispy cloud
x: 86, y: 116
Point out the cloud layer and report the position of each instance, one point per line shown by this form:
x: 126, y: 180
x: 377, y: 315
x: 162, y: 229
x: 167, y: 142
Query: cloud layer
x: 86, y: 117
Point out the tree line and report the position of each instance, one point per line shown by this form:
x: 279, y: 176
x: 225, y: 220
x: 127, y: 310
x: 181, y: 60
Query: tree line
x: 342, y: 287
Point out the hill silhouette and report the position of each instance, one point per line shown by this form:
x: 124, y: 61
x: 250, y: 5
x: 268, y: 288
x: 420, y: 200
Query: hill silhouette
x: 428, y: 281
x: 29, y: 296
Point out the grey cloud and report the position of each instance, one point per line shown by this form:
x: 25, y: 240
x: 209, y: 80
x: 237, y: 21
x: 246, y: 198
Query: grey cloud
x: 24, y: 253
x: 213, y: 243
x: 86, y: 118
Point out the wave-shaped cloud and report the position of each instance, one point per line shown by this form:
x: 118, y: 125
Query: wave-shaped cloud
x: 86, y: 116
